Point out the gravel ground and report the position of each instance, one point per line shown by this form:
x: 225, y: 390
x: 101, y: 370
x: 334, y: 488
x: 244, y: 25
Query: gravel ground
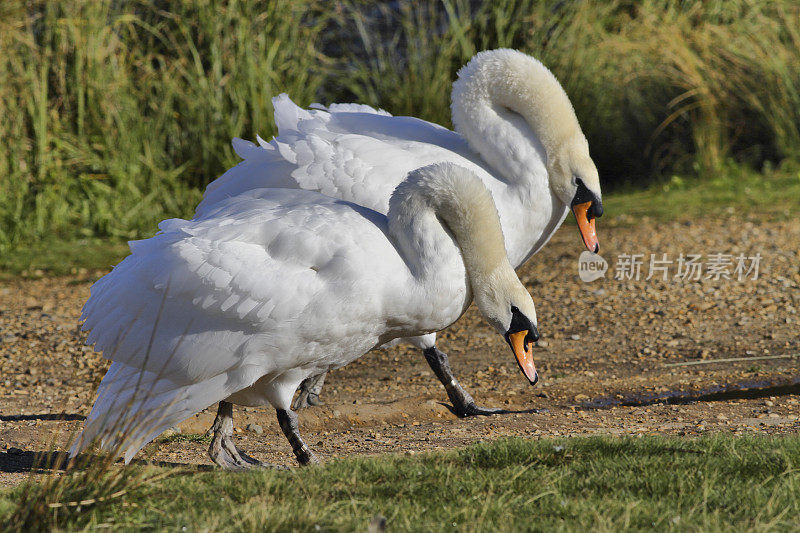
x: 605, y: 358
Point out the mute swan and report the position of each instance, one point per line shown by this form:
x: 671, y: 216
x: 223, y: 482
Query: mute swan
x: 516, y: 130
x: 244, y: 302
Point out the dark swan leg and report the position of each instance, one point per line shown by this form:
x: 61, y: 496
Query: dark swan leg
x: 463, y: 403
x: 288, y: 423
x: 310, y: 389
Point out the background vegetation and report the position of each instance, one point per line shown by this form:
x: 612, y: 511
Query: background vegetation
x: 116, y: 114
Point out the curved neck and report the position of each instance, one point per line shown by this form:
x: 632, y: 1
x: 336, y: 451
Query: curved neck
x: 443, y: 218
x: 512, y: 111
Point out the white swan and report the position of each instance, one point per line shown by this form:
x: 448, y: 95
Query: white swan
x: 242, y: 303
x: 516, y: 130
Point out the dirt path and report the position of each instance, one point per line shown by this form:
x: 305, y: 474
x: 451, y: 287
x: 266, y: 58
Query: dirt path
x: 604, y: 358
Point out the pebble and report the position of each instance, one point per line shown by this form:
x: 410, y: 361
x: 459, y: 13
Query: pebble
x: 255, y: 428
x: 575, y: 337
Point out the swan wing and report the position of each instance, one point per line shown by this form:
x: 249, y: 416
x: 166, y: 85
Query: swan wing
x: 347, y: 151
x: 346, y: 108
x: 208, y: 306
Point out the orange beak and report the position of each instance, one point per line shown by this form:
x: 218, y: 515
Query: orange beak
x: 586, y: 226
x: 524, y: 355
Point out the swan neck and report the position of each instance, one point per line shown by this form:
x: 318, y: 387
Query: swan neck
x: 444, y: 214
x: 509, y: 106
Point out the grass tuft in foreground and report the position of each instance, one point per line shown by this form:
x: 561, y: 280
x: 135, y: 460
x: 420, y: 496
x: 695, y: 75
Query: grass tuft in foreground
x: 598, y: 483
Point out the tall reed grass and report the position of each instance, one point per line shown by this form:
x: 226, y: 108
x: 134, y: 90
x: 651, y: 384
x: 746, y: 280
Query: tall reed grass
x: 116, y: 113
x: 658, y: 85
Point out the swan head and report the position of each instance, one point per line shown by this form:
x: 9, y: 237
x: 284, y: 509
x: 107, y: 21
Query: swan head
x: 508, y: 307
x: 463, y: 205
x: 513, y: 111
x: 575, y: 181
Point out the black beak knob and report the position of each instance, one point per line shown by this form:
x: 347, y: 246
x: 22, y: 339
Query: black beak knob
x: 596, y: 209
x: 533, y: 334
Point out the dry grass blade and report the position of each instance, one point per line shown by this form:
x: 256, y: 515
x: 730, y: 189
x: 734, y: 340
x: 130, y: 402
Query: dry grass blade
x: 733, y: 360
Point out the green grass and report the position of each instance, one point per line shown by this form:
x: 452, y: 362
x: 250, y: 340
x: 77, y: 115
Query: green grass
x: 62, y: 257
x: 731, y: 190
x: 116, y: 113
x: 719, y: 483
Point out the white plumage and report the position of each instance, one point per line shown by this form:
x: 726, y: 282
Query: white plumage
x: 268, y: 287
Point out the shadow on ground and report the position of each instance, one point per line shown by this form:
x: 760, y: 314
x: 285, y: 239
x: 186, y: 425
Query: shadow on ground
x: 18, y: 461
x: 749, y: 390
x: 66, y: 417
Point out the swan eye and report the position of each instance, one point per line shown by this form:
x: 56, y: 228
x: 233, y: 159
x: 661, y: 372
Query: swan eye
x: 575, y: 180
